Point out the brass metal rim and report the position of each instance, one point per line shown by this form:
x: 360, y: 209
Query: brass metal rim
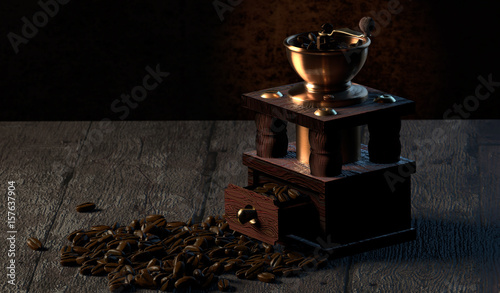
x: 286, y: 43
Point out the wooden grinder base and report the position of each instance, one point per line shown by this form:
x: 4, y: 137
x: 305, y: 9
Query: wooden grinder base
x: 363, y: 208
x: 348, y: 208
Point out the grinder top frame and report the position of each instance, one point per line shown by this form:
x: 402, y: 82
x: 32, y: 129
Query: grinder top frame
x: 284, y: 108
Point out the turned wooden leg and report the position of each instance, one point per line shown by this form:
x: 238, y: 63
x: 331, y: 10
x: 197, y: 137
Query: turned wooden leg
x: 326, y: 156
x: 272, y: 139
x: 384, y: 146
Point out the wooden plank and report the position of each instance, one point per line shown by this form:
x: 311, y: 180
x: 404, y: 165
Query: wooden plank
x: 283, y: 108
x: 139, y: 168
x: 489, y: 160
x: 40, y: 157
x: 447, y: 255
x: 230, y: 139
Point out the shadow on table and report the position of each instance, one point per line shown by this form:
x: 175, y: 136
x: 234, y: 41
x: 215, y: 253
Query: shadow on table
x: 442, y: 240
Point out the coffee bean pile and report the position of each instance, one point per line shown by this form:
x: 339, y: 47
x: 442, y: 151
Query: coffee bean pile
x: 324, y: 40
x: 155, y: 254
x: 279, y: 193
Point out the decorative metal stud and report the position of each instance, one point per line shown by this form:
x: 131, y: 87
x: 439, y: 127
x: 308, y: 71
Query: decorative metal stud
x: 385, y: 98
x: 271, y: 94
x: 325, y: 112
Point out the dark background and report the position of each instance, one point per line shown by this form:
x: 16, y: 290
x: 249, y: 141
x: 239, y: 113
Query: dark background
x: 91, y: 52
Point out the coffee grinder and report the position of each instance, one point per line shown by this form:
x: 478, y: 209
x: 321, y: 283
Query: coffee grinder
x: 355, y: 197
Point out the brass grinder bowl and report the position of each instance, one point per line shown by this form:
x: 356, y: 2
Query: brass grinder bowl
x: 327, y: 75
x: 328, y: 72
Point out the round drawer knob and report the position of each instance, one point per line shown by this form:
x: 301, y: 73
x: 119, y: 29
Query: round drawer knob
x: 247, y: 215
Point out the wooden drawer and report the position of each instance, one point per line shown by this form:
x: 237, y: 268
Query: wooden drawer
x: 274, y: 220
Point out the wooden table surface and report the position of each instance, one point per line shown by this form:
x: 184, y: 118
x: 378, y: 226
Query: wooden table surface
x: 179, y: 169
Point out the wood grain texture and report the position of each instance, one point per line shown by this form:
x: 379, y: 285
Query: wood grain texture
x: 228, y: 141
x: 136, y: 170
x: 283, y: 108
x: 359, y: 206
x: 489, y: 160
x: 41, y: 158
x: 325, y: 159
x: 291, y: 170
x: 267, y: 229
x: 271, y: 140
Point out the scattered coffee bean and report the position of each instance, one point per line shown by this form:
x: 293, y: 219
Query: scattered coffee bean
x: 68, y: 261
x: 223, y: 285
x: 86, y: 270
x: 167, y: 284
x: 266, y: 277
x: 240, y: 274
x: 253, y: 271
x: 276, y: 261
x: 80, y: 250
x: 294, y: 261
x: 98, y: 270
x: 178, y: 270
x: 209, y: 279
x: 85, y: 207
x: 34, y: 243
x: 179, y: 254
x: 118, y: 287
x: 184, y: 282
x: 66, y: 249
x: 308, y: 262
x: 291, y: 272
x: 153, y: 218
